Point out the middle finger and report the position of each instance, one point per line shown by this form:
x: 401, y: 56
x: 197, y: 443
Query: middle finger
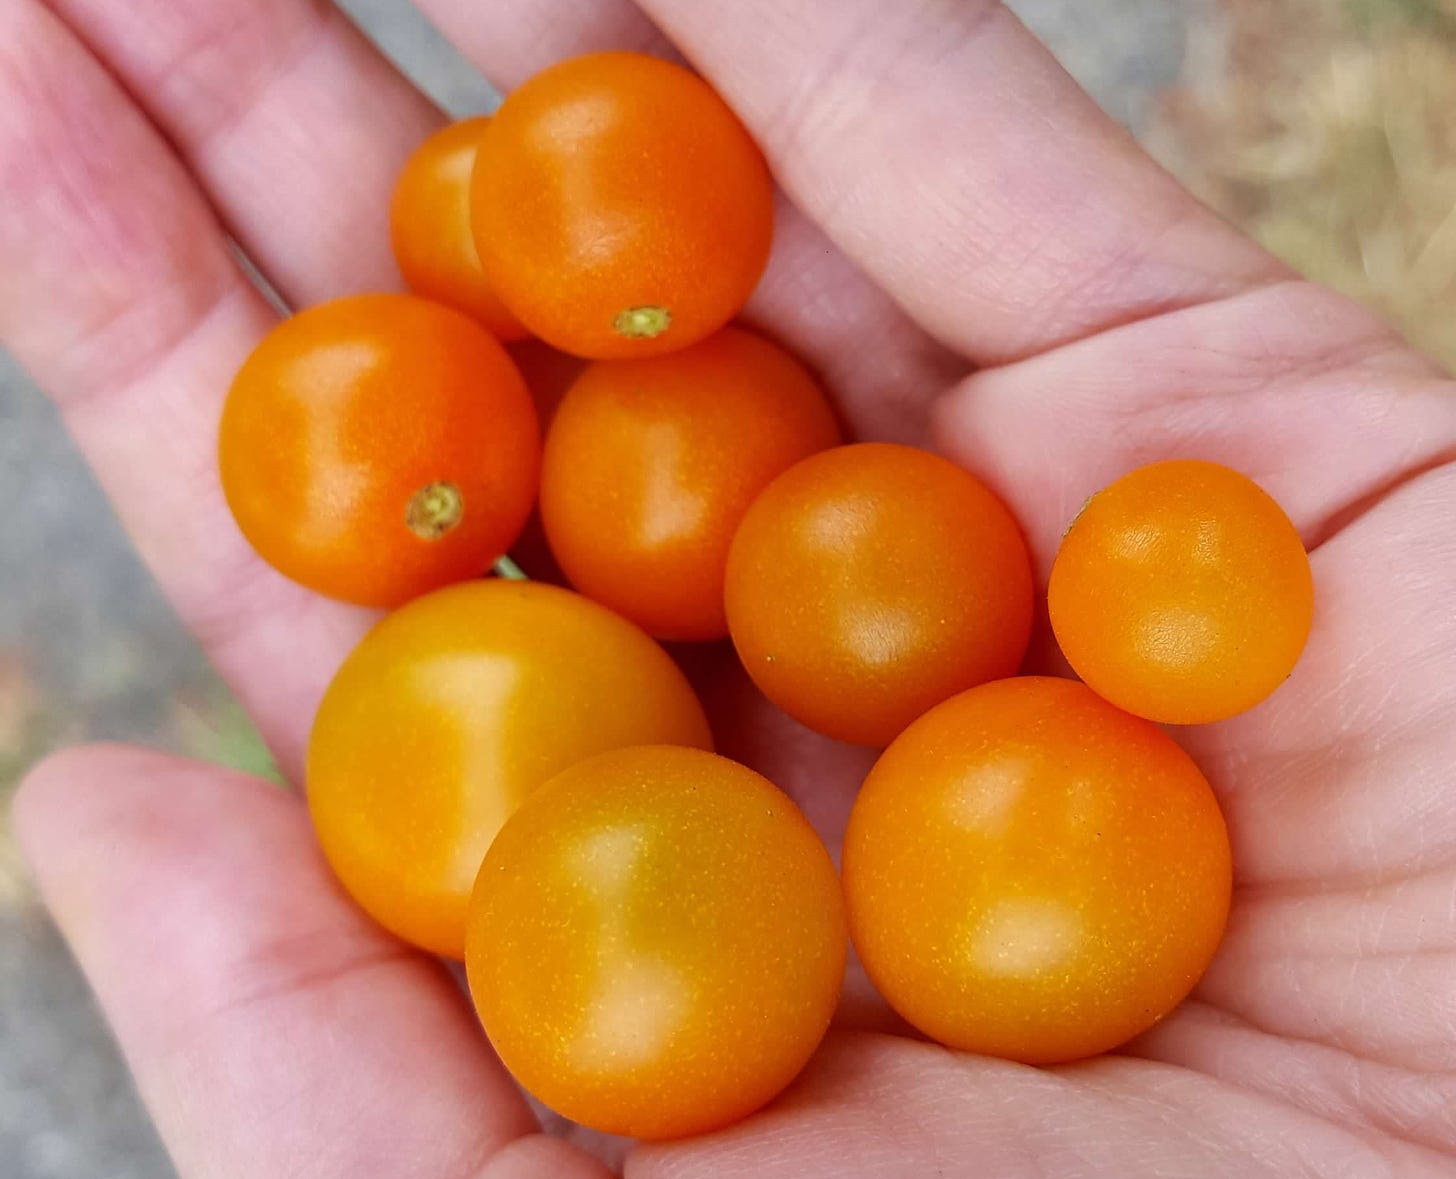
x: 882, y: 369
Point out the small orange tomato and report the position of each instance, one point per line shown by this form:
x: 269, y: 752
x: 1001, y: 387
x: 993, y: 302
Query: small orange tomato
x: 650, y: 465
x: 870, y: 582
x: 449, y: 713
x: 380, y: 446
x: 620, y: 208
x: 656, y: 942
x: 1033, y: 874
x: 1182, y: 593
x: 429, y: 223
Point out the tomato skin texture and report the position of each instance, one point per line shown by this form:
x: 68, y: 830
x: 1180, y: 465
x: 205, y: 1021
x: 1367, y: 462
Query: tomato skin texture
x: 616, y: 182
x: 650, y: 465
x: 1182, y: 593
x: 1033, y: 874
x: 429, y: 222
x: 870, y: 582
x: 454, y: 709
x: 343, y: 423
x: 657, y: 942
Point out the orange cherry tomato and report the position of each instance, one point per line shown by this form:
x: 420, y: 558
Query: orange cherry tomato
x: 870, y: 582
x: 651, y: 464
x: 1182, y: 593
x: 657, y: 941
x: 378, y: 447
x: 1033, y: 874
x: 620, y: 208
x: 449, y: 713
x: 429, y: 222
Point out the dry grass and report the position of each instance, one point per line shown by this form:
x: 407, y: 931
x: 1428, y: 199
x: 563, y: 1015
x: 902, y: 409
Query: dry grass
x: 1327, y: 128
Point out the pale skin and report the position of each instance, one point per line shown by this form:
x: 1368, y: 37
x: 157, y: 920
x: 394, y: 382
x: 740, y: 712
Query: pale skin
x: 979, y: 262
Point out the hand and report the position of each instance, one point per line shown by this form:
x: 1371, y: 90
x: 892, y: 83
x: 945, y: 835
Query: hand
x: 1021, y: 288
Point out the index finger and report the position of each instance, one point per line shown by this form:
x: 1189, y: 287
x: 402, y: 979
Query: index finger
x: 119, y: 290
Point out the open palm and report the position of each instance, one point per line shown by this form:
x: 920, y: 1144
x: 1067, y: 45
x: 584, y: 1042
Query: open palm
x: 975, y: 260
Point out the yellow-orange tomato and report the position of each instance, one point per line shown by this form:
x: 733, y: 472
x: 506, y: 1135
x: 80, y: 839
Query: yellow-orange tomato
x: 449, y: 713
x: 620, y: 208
x: 378, y: 447
x: 869, y: 583
x: 650, y: 465
x: 656, y: 943
x: 1182, y: 593
x: 429, y: 223
x: 1033, y: 874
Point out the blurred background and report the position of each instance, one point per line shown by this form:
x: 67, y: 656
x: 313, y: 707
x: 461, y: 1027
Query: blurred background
x: 1324, y: 127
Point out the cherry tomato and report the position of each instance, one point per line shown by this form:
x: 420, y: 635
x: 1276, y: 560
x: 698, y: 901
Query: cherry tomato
x: 651, y: 464
x: 620, y: 208
x: 429, y: 222
x: 1182, y: 593
x: 378, y: 447
x: 449, y: 713
x: 870, y: 582
x: 656, y: 943
x: 1033, y: 874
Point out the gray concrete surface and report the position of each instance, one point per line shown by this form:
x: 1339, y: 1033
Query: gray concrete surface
x: 88, y: 649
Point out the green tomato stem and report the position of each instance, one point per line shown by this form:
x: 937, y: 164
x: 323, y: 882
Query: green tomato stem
x: 508, y: 570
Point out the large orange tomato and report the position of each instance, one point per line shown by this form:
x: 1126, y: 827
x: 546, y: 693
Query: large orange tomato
x: 620, y: 208
x: 871, y: 582
x: 1182, y: 593
x: 449, y: 713
x: 656, y: 942
x: 650, y: 465
x: 378, y: 447
x: 1033, y: 874
x: 429, y: 221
